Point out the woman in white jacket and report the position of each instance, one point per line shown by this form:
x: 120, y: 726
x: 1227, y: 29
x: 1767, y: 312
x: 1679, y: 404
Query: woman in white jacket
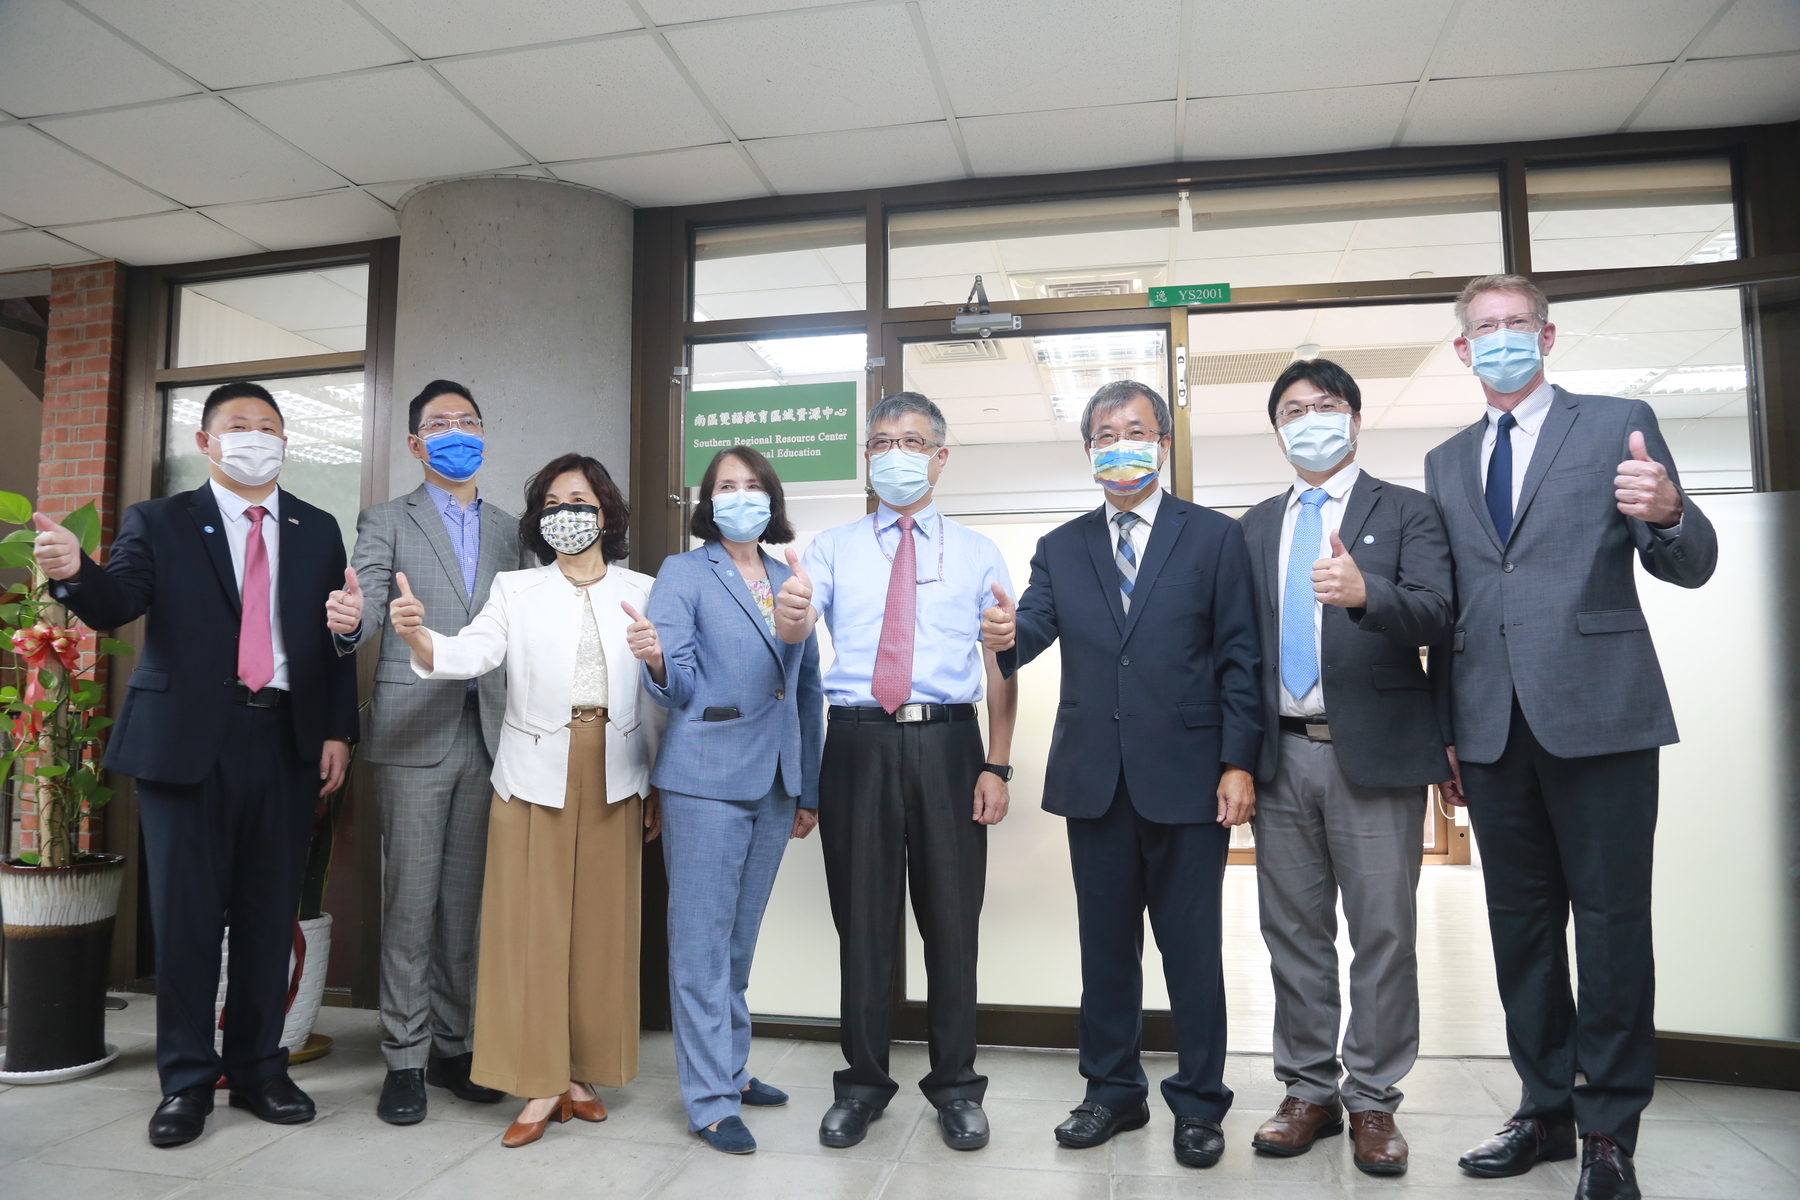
x: 556, y: 1004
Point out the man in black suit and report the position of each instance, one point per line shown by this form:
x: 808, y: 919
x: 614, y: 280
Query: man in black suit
x: 1159, y: 725
x: 240, y: 706
x: 1353, y: 577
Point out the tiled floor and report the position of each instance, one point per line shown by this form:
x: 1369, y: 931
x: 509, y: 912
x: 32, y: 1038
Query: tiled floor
x: 87, y: 1139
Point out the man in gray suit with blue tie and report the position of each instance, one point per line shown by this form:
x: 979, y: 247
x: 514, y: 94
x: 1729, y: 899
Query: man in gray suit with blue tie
x: 432, y: 744
x: 1558, y: 707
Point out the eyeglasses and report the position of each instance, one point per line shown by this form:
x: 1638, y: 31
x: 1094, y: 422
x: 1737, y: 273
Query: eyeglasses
x: 911, y: 443
x: 446, y: 424
x: 1518, y: 322
x: 1103, y: 440
x: 1294, y: 411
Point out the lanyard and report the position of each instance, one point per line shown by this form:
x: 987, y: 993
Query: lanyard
x: 875, y: 528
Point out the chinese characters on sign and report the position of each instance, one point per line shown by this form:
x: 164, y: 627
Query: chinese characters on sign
x: 1180, y: 297
x: 807, y: 431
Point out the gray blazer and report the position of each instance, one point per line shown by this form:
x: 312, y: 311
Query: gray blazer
x: 412, y: 722
x: 1377, y: 697
x: 1553, y: 615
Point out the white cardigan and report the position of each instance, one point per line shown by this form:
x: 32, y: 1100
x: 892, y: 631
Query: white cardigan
x: 532, y: 622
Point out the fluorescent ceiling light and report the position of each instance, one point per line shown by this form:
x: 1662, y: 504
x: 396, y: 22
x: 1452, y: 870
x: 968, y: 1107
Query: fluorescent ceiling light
x: 836, y: 354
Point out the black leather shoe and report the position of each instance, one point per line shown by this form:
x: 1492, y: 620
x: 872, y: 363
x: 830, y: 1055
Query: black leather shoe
x: 1525, y: 1142
x: 1606, y: 1171
x: 181, y: 1118
x: 1198, y: 1143
x: 453, y: 1073
x: 846, y: 1123
x: 1091, y: 1124
x: 402, y: 1097
x: 964, y: 1125
x: 275, y: 1100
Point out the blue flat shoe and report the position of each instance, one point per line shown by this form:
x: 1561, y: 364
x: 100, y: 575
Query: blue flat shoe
x: 761, y: 1095
x: 730, y: 1137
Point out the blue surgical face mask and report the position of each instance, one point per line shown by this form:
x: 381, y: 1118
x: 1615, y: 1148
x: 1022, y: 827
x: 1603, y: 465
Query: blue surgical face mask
x: 899, y: 476
x: 454, y: 454
x: 1505, y: 359
x: 741, y: 516
x: 1317, y: 441
x: 1125, y: 466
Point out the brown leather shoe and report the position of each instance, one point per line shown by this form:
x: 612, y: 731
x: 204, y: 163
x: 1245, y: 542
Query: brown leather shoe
x: 1295, y: 1126
x: 1380, y: 1148
x: 523, y: 1133
x: 588, y: 1110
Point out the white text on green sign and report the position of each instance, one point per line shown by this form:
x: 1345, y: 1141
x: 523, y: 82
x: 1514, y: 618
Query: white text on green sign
x: 807, y: 431
x: 1195, y: 293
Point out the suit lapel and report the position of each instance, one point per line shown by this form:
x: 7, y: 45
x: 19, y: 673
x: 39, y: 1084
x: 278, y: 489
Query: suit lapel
x: 1468, y: 459
x: 1100, y: 549
x: 295, y: 545
x: 1169, y: 523
x: 1264, y: 537
x: 1557, y: 423
x: 424, y: 512
x: 210, y: 525
x: 727, y: 573
x: 1365, y: 493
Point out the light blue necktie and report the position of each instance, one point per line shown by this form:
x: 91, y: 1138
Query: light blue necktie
x: 1126, y: 557
x: 1299, y: 650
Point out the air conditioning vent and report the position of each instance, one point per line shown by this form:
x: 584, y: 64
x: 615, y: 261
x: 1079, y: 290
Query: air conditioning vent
x: 1381, y: 362
x: 1091, y: 287
x: 1261, y: 366
x: 939, y: 354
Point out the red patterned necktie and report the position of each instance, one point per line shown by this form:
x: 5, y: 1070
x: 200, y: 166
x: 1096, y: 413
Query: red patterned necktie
x: 892, y: 683
x: 256, y: 651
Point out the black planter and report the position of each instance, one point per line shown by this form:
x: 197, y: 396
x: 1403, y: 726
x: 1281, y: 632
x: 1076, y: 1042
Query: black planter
x: 58, y: 924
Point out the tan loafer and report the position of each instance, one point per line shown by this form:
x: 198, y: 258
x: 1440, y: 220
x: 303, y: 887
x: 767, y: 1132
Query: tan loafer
x: 523, y: 1133
x: 1380, y: 1148
x: 1295, y: 1126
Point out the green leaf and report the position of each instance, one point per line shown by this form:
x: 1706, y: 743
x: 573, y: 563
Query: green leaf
x: 84, y: 523
x: 99, y: 795
x: 21, y: 535
x: 14, y: 508
x: 47, y: 679
x: 9, y: 693
x: 53, y: 771
x: 9, y: 614
x: 115, y: 646
x: 30, y: 858
x: 99, y: 723
x: 16, y: 554
x: 45, y: 706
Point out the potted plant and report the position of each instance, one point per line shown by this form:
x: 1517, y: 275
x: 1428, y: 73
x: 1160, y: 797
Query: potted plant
x: 57, y: 902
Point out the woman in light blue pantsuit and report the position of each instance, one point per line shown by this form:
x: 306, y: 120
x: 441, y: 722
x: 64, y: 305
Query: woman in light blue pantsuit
x: 738, y: 771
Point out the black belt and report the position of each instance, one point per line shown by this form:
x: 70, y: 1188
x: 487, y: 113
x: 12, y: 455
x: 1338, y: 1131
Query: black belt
x: 906, y: 714
x: 269, y: 697
x: 1317, y: 728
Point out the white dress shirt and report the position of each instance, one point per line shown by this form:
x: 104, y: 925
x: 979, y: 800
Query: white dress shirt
x: 1331, y: 516
x: 1140, y: 532
x: 234, y: 510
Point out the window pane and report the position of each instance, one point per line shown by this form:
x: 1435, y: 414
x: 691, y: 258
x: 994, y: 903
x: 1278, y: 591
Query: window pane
x: 1631, y: 215
x: 324, y: 419
x: 773, y: 270
x: 272, y: 316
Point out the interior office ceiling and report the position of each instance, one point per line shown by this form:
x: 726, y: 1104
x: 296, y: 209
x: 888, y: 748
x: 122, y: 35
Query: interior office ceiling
x: 167, y: 130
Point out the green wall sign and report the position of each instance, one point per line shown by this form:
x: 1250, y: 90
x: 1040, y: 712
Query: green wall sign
x: 1193, y: 293
x: 807, y: 430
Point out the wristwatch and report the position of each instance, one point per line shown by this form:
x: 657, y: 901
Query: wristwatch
x: 1005, y: 773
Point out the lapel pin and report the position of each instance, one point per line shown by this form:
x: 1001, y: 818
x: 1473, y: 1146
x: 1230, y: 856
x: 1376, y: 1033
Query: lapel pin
x: 208, y: 528
x: 1368, y: 539
x: 296, y: 521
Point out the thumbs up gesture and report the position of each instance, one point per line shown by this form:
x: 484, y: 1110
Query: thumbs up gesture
x: 1643, y: 487
x: 640, y: 635
x: 999, y: 622
x: 794, y: 615
x: 407, y: 614
x: 344, y: 609
x: 1337, y: 580
x: 58, y: 551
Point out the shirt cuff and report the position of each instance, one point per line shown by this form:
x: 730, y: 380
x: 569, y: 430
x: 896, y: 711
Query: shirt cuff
x: 1673, y: 531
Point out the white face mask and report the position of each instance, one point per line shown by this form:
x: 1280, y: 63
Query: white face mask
x: 1317, y: 441
x: 250, y: 457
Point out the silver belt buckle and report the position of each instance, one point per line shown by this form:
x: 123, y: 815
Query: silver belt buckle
x: 908, y: 714
x: 1317, y: 733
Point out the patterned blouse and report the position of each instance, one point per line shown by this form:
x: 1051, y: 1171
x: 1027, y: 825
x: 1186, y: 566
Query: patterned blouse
x: 590, y: 660
x: 765, y: 600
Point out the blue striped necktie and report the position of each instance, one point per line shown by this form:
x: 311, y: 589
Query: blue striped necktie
x: 1125, y: 556
x: 1299, y: 645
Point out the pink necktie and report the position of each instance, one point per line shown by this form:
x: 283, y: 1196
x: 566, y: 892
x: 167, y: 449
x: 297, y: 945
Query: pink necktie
x: 892, y: 683
x: 256, y: 652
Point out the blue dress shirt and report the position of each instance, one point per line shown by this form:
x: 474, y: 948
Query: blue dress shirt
x: 464, y: 527
x: 849, y: 567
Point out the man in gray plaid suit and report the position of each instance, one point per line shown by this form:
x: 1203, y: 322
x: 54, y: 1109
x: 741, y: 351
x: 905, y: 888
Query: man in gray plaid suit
x: 432, y: 744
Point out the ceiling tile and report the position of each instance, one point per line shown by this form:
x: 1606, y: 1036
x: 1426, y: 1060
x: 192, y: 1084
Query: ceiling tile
x: 1723, y: 91
x: 812, y: 72
x: 34, y: 248
x: 437, y: 27
x: 861, y: 158
x: 1251, y: 48
x: 381, y: 126
x: 1001, y: 56
x: 699, y: 176
x: 1125, y: 135
x: 618, y: 96
x: 230, y: 43
x: 199, y: 151
x: 1754, y: 27
x: 346, y: 216
x: 54, y: 59
x: 1467, y: 111
x: 1554, y: 35
x: 7, y: 223
x: 673, y: 12
x: 391, y: 194
x: 165, y: 238
x: 1295, y: 122
x: 42, y: 183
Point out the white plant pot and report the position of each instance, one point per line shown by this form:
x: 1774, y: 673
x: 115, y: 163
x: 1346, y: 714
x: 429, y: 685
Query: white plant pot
x: 305, y: 1008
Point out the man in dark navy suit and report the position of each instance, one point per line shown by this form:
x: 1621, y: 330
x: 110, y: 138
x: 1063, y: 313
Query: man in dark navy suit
x: 1159, y: 727
x: 240, y: 714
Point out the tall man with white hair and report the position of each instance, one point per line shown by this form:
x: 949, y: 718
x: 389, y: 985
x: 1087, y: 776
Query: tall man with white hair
x: 905, y: 789
x: 1558, y: 708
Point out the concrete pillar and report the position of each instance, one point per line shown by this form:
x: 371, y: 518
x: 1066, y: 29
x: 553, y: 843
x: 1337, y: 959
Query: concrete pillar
x: 519, y: 289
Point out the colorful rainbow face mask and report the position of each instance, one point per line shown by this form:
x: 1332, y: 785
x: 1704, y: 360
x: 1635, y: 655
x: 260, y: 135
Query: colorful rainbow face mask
x: 1125, y: 467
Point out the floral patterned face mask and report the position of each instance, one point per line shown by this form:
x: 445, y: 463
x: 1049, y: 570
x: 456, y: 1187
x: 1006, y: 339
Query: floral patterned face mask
x: 570, y: 528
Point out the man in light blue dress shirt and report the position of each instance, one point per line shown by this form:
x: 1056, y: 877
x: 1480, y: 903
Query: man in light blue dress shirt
x: 906, y: 789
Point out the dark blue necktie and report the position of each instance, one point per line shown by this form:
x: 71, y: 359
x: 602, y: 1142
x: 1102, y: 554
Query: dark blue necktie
x: 1500, y: 479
